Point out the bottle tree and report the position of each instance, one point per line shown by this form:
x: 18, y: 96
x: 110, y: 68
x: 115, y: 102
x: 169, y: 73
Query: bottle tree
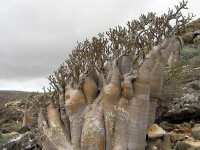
x: 108, y: 88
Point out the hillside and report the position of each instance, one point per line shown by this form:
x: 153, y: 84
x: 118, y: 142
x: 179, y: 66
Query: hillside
x: 8, y: 96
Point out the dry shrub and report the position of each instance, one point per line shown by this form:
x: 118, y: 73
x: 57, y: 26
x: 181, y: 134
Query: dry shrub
x: 183, y: 72
x: 188, y: 53
x: 172, y: 86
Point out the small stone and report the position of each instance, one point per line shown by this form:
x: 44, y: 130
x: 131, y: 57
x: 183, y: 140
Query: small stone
x: 191, y: 139
x: 166, y: 143
x: 154, y: 131
x: 196, y: 131
x: 182, y: 146
x: 177, y: 137
x: 153, y: 144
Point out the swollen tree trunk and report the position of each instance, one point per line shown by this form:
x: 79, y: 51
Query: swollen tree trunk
x: 27, y: 117
x: 108, y: 106
x: 157, y: 77
x: 90, y: 87
x: 76, y: 106
x: 125, y: 65
x: 114, y: 118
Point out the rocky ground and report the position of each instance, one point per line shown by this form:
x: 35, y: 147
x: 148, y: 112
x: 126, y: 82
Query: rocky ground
x: 12, y: 135
x: 167, y: 136
x: 178, y: 114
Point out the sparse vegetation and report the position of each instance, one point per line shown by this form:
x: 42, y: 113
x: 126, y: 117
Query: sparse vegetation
x: 181, y: 73
x: 188, y: 52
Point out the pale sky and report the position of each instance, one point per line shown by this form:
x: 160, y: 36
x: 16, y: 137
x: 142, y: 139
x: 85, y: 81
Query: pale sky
x: 37, y: 35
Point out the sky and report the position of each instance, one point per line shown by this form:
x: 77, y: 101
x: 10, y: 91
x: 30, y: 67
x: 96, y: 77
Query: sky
x: 36, y: 36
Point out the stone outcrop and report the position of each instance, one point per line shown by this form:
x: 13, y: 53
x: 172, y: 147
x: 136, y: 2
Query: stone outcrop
x: 27, y: 141
x: 187, y: 106
x: 179, y: 137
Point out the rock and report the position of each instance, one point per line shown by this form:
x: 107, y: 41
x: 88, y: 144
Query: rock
x: 154, y: 131
x: 27, y: 141
x: 182, y: 146
x: 194, y: 148
x: 193, y: 144
x: 196, y: 131
x: 166, y: 143
x: 188, y: 38
x: 191, y: 36
x: 153, y: 144
x: 191, y: 139
x: 24, y: 129
x: 177, y: 137
x: 167, y: 126
x: 186, y: 108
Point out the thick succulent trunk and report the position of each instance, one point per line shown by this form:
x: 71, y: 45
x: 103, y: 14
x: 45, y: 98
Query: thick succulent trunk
x: 111, y: 97
x: 125, y: 65
x: 137, y: 127
x: 93, y: 131
x: 155, y: 89
x: 152, y: 111
x: 135, y: 110
x: 117, y: 120
x: 76, y: 106
x: 66, y: 122
x: 63, y: 115
x: 157, y: 76
x: 112, y: 116
x: 61, y: 98
x: 90, y: 87
x: 27, y: 118
x: 53, y: 131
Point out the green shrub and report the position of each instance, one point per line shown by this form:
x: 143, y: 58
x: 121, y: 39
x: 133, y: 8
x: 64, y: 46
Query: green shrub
x: 188, y: 53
